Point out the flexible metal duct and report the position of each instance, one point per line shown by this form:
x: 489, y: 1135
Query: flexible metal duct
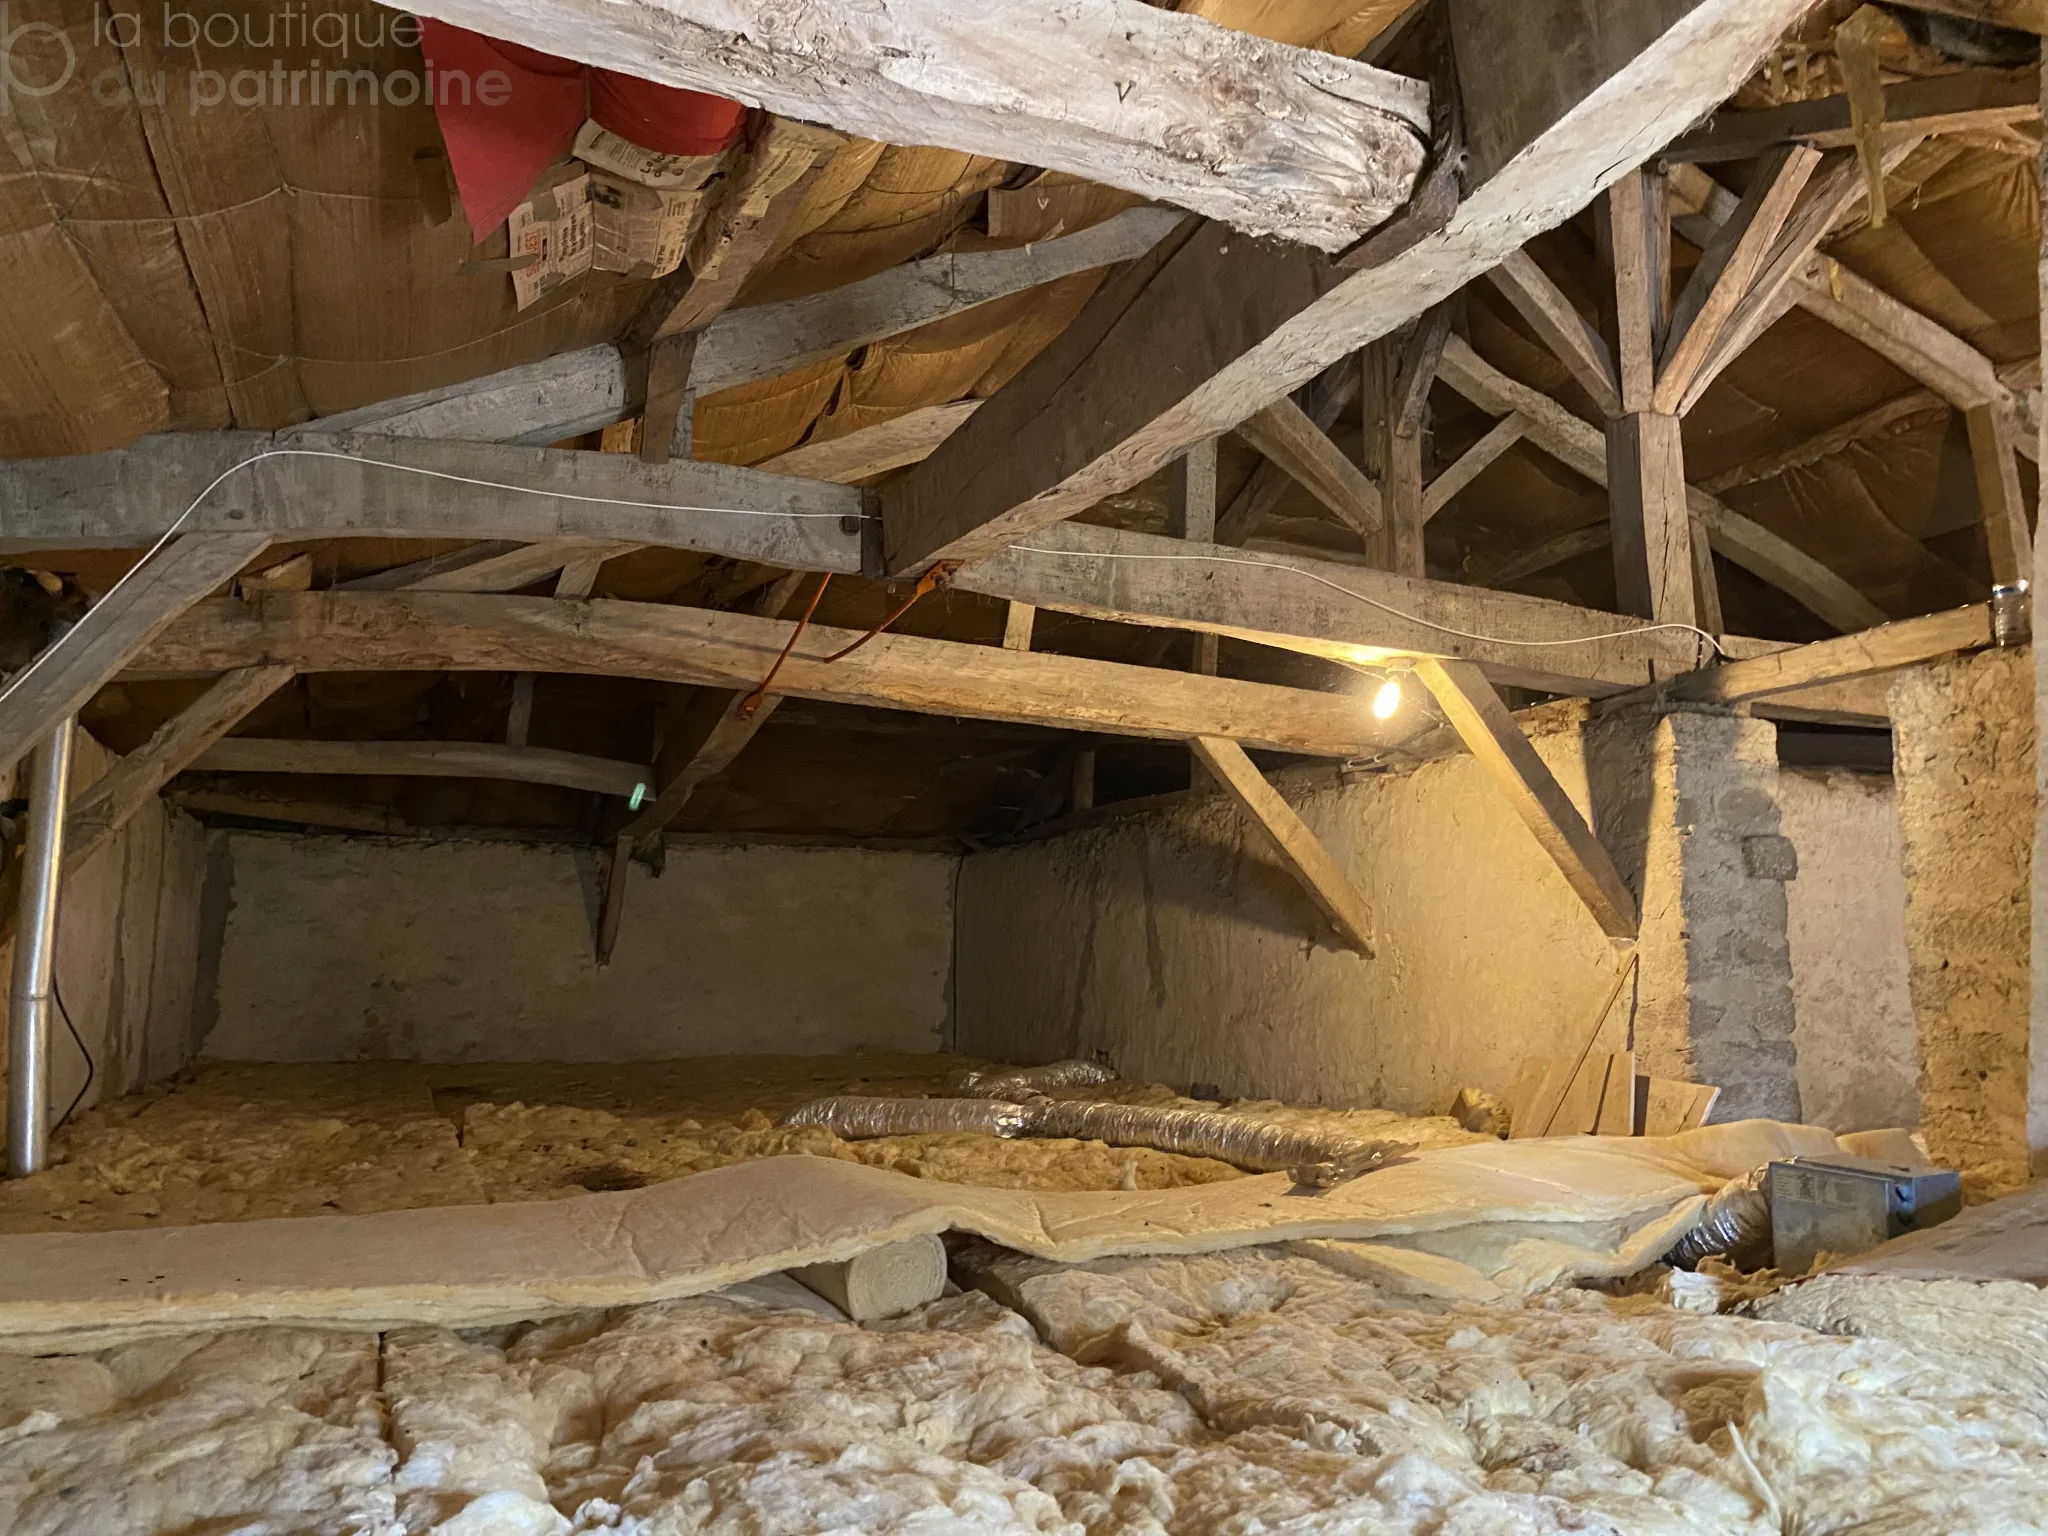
x: 1323, y: 1156
x: 1735, y: 1224
x: 1022, y: 1083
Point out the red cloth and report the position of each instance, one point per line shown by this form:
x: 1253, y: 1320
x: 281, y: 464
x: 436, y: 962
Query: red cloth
x: 502, y: 133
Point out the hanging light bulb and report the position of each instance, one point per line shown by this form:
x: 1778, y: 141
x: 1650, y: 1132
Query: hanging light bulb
x: 1387, y: 699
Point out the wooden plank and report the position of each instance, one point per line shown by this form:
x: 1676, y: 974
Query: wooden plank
x: 1561, y: 328
x: 1284, y: 433
x: 1420, y: 356
x: 1473, y: 462
x: 1901, y: 644
x: 394, y: 487
x: 1580, y: 446
x: 1727, y: 268
x: 1094, y: 416
x: 1671, y: 1106
x: 150, y: 597
x: 1318, y: 607
x: 1301, y: 852
x: 869, y: 451
x: 1542, y: 1093
x: 1999, y: 500
x: 324, y: 632
x: 424, y: 759
x: 1977, y: 98
x: 1490, y: 732
x: 98, y: 812
x: 1018, y: 620
x: 1617, y: 1114
x: 1277, y: 140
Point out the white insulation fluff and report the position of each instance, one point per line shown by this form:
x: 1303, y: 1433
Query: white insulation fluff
x: 1257, y: 1391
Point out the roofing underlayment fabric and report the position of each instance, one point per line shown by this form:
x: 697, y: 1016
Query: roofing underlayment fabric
x: 1481, y: 1220
x: 499, y: 146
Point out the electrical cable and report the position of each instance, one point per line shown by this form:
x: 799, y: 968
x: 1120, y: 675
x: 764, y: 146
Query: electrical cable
x: 91, y: 1070
x: 1373, y: 602
x: 410, y: 469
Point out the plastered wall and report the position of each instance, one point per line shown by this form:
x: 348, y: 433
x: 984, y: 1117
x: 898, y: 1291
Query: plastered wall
x: 343, y: 949
x: 1174, y: 942
x: 1858, y: 1060
x: 128, y: 951
x: 1177, y: 944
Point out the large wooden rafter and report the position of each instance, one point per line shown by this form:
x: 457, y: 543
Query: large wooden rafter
x: 1145, y: 373
x: 1277, y: 140
x: 401, y: 631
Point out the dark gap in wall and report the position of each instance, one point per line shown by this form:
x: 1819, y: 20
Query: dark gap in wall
x: 1853, y: 748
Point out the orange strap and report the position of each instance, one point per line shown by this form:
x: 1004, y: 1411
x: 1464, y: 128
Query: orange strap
x: 933, y: 578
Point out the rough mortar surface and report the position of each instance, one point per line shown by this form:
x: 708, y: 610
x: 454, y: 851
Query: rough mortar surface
x: 340, y: 949
x: 1177, y: 944
x: 1963, y: 748
x: 1859, y: 1060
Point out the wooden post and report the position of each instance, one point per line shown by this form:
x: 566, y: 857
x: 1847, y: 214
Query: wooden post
x: 1656, y: 572
x: 1191, y: 514
x: 1392, y: 460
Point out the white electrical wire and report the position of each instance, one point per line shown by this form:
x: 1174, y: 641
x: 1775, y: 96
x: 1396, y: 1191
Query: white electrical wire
x: 218, y: 480
x: 1373, y: 602
x: 663, y: 506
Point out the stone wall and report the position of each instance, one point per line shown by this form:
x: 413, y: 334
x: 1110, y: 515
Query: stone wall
x: 347, y: 949
x: 1963, y: 745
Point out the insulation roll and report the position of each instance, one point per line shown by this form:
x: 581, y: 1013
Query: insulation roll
x: 857, y: 1119
x: 883, y: 1282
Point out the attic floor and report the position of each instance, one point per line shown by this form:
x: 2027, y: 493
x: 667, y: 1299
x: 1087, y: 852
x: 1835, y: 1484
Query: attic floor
x: 238, y: 1141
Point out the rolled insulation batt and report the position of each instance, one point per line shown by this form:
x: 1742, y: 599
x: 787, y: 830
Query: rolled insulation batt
x: 883, y: 1282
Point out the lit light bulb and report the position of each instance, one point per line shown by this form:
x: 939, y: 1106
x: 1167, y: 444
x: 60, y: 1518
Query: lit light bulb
x: 1387, y: 699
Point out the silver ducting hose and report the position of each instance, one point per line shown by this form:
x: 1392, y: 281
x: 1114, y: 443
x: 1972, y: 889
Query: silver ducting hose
x: 853, y: 1118
x: 1022, y: 1083
x: 1736, y: 1225
x: 1318, y: 1156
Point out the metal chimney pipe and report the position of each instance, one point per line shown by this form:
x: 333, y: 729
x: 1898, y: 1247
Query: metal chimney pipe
x: 35, y: 956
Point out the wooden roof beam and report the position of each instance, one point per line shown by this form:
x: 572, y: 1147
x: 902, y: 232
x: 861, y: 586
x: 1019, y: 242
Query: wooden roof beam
x: 1580, y: 446
x: 1139, y: 378
x: 326, y: 631
x: 1271, y: 139
x: 1971, y: 100
x: 576, y: 392
x: 94, y: 650
x: 423, y: 759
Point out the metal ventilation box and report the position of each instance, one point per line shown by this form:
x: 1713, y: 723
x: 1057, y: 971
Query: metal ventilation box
x: 1849, y: 1205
